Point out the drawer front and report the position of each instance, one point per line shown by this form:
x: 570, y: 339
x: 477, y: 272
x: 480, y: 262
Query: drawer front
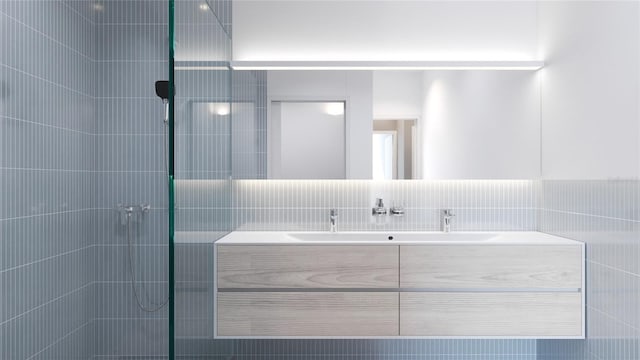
x: 491, y: 314
x: 303, y: 266
x: 307, y: 314
x: 491, y: 266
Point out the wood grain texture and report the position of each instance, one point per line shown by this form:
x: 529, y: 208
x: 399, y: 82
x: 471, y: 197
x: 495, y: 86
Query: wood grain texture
x: 491, y: 266
x: 307, y: 314
x: 491, y: 314
x: 305, y: 266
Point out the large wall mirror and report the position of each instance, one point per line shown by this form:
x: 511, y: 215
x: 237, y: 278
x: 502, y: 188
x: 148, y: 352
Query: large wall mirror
x: 306, y: 140
x: 388, y: 125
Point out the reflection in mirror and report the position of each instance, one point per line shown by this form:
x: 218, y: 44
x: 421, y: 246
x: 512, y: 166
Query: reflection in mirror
x: 202, y: 139
x: 446, y: 125
x: 307, y: 140
x: 394, y: 149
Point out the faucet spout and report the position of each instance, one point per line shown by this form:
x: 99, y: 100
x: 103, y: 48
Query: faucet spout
x: 379, y: 209
x: 333, y: 220
x: 446, y: 216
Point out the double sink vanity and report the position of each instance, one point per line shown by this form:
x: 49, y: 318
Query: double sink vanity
x: 404, y: 284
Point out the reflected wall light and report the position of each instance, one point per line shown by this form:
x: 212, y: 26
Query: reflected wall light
x: 220, y: 109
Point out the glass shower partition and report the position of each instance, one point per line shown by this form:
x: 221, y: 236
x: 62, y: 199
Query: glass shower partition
x: 201, y: 115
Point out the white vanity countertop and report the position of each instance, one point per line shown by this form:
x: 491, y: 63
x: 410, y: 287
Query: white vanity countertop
x: 197, y: 237
x: 398, y: 238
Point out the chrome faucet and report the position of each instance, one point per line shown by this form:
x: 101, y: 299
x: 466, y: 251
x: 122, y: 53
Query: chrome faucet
x: 379, y: 209
x: 333, y: 220
x: 446, y: 215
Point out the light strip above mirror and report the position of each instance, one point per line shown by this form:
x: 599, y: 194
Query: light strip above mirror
x: 387, y: 65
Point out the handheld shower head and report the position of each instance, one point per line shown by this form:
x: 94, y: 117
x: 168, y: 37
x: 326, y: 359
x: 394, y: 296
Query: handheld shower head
x: 162, y: 90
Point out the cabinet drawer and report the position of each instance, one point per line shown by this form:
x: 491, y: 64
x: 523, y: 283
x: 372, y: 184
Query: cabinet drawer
x: 307, y: 314
x: 303, y: 266
x: 491, y: 266
x: 491, y: 314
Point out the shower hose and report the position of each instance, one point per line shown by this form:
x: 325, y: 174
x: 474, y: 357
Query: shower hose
x: 134, y: 281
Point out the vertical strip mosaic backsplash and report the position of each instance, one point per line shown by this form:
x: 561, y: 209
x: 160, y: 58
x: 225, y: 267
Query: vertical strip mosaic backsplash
x: 606, y: 216
x: 497, y: 205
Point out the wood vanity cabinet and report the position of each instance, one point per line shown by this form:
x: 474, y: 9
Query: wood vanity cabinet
x: 430, y: 290
x: 308, y: 313
x: 298, y: 294
x: 491, y: 290
x: 307, y: 266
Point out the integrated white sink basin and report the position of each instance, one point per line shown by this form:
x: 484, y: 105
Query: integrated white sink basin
x: 390, y: 238
x: 397, y: 236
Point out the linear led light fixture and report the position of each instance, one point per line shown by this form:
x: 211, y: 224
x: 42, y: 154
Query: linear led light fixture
x: 387, y: 65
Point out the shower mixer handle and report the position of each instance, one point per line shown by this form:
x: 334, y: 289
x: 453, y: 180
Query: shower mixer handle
x: 126, y: 211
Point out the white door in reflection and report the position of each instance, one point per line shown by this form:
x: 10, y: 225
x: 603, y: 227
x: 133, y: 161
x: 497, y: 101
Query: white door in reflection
x: 384, y: 155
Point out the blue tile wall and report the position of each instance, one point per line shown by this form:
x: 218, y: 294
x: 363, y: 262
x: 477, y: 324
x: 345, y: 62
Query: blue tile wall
x: 47, y: 164
x: 249, y: 125
x: 130, y: 144
x: 606, y: 216
x: 360, y: 349
x: 205, y: 108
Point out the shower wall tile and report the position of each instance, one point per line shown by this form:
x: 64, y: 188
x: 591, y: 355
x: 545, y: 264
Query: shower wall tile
x: 249, y: 126
x: 62, y: 23
x: 132, y: 338
x: 117, y: 116
x: 194, y: 291
x: 603, y: 215
x: 361, y: 349
x: 115, y: 77
x: 58, y: 107
x: 147, y: 12
x: 130, y: 146
x: 203, y: 124
x: 47, y: 122
x: 134, y: 42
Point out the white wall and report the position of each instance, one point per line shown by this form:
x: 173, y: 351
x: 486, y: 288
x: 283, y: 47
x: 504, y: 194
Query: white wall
x: 590, y: 97
x: 384, y: 30
x: 481, y: 125
x: 397, y: 94
x: 310, y: 143
x: 353, y: 86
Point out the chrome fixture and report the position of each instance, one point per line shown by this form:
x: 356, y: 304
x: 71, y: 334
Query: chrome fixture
x: 445, y: 220
x: 396, y: 211
x: 379, y: 209
x: 128, y: 215
x: 333, y: 220
x: 128, y: 211
x: 162, y: 91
